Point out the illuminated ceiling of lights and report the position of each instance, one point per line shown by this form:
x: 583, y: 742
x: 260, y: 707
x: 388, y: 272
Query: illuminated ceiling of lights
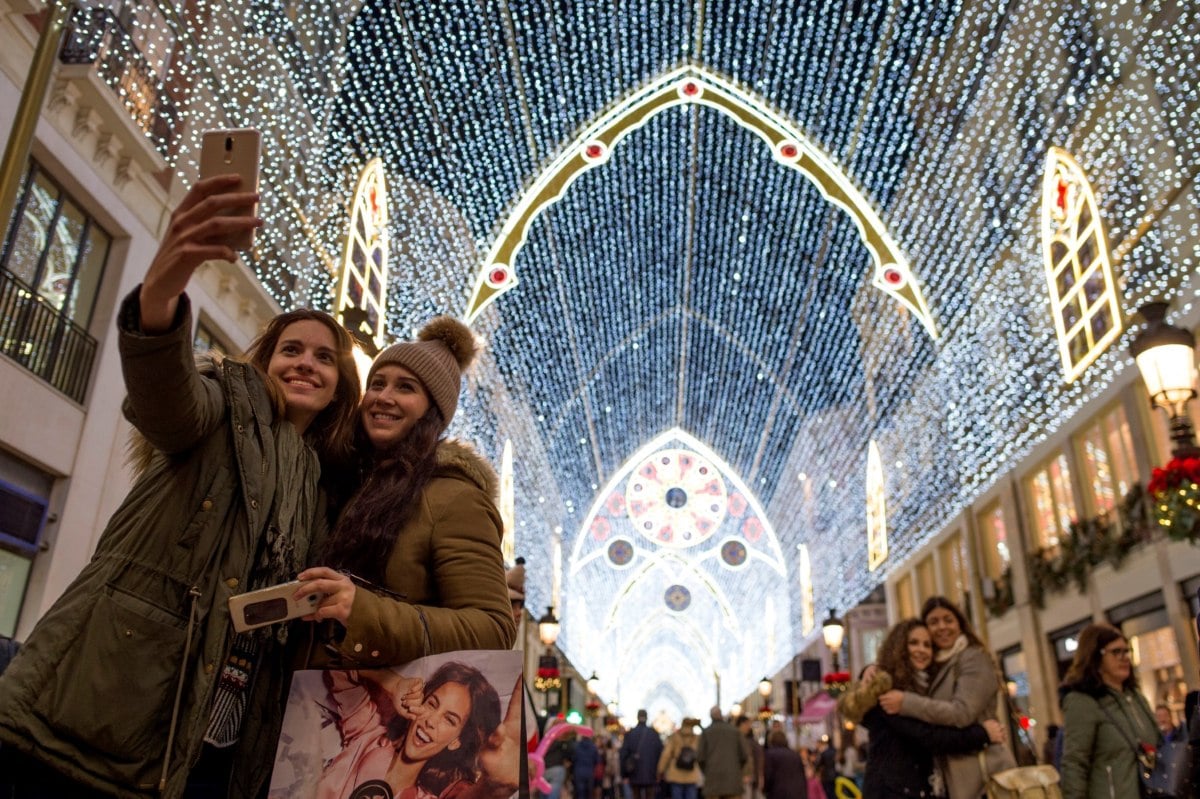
x: 693, y: 298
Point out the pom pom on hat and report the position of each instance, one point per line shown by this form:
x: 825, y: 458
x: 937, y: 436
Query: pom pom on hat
x: 455, y: 336
x: 443, y: 349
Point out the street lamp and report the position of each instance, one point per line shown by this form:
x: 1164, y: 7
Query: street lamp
x: 548, y: 680
x: 548, y: 627
x: 833, y: 630
x: 764, y: 690
x: 593, y: 683
x: 1165, y: 356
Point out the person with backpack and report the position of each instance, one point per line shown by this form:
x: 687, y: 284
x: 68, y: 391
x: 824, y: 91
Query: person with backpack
x: 677, y: 765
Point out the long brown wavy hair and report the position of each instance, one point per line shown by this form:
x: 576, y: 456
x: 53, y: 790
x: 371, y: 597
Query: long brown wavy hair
x: 893, y: 656
x: 451, y: 765
x: 332, y: 431
x: 1084, y: 671
x: 364, y: 534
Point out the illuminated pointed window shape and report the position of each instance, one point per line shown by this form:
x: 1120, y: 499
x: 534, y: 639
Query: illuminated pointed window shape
x: 808, y: 615
x: 507, y: 508
x: 362, y: 286
x: 877, y: 538
x: 694, y: 85
x: 1083, y: 294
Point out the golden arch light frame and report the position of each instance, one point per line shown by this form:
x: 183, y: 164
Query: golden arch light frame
x: 694, y: 85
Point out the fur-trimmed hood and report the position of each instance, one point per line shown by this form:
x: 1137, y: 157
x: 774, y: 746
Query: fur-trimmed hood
x: 456, y: 455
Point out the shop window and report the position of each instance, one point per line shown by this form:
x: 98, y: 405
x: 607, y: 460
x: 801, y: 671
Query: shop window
x: 207, y: 341
x: 953, y: 560
x: 906, y: 603
x: 24, y: 497
x: 1051, y: 502
x: 1016, y: 684
x: 993, y: 539
x: 1065, y: 642
x: 1153, y: 648
x: 14, y: 576
x: 926, y: 579
x: 1106, y: 449
x: 55, y: 248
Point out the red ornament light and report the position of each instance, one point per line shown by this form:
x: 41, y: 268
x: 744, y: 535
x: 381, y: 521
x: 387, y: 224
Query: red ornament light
x: 789, y: 150
x: 893, y: 276
x: 594, y: 150
x: 691, y: 88
x: 498, y: 276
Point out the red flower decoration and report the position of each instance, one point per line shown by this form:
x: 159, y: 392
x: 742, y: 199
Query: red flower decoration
x: 836, y: 676
x: 1178, y: 473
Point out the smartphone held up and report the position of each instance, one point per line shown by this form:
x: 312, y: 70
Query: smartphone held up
x: 235, y: 151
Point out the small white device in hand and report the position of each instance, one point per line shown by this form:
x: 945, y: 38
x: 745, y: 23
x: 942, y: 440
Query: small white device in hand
x: 265, y: 606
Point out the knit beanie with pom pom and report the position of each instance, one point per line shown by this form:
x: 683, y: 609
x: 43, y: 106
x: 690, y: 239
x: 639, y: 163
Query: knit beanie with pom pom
x: 444, y: 348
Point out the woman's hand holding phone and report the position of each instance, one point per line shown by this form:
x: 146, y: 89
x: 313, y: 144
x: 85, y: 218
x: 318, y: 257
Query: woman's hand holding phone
x: 199, y: 231
x: 339, y: 591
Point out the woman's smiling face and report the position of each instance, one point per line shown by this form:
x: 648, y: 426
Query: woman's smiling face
x: 439, y: 723
x: 943, y: 627
x: 920, y: 648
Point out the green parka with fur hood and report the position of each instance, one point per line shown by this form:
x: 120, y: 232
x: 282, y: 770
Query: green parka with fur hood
x: 445, y: 575
x: 92, y: 691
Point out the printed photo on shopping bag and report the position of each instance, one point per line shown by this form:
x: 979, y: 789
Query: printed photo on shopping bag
x: 442, y: 727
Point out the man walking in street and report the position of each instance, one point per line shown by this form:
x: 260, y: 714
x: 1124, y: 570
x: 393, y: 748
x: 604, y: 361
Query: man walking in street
x: 722, y: 755
x: 639, y: 758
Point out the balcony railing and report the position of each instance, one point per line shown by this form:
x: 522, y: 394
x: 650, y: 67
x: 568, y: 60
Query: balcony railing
x: 34, y: 334
x: 96, y: 36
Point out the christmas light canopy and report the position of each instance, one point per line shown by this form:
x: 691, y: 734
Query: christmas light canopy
x: 692, y: 287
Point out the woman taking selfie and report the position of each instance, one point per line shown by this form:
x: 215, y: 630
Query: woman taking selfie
x: 963, y: 691
x: 1104, y: 717
x: 134, y: 682
x: 413, y: 566
x: 901, y: 762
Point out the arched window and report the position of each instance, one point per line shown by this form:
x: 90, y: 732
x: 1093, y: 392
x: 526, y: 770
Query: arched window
x: 877, y: 538
x: 362, y: 287
x: 1083, y: 295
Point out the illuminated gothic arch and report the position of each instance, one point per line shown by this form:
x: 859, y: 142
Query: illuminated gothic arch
x: 688, y: 85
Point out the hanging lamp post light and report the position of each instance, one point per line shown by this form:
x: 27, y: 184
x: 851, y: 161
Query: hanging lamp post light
x: 1166, y: 357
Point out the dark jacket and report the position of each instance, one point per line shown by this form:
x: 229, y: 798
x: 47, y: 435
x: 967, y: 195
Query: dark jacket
x: 783, y: 774
x: 92, y: 690
x: 447, y: 573
x: 643, y: 744
x: 584, y: 756
x: 902, y: 750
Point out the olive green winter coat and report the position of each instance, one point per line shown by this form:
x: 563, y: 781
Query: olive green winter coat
x: 92, y: 690
x: 1098, y: 761
x: 445, y: 574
